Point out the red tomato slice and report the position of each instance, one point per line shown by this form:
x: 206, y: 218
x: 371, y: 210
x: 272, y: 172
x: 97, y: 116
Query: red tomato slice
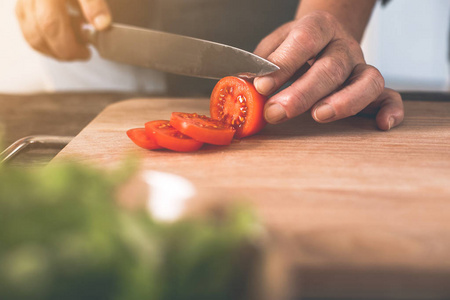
x: 140, y: 138
x: 168, y: 137
x: 236, y: 102
x: 203, y: 128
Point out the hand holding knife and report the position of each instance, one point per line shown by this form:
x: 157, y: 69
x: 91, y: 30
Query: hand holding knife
x: 169, y: 52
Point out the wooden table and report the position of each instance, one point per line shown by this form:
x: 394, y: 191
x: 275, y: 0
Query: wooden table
x: 364, y: 213
x: 61, y: 114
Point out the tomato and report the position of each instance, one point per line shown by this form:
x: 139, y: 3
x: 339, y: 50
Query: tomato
x: 140, y: 138
x: 203, y: 128
x: 236, y: 111
x: 236, y: 102
x: 168, y: 137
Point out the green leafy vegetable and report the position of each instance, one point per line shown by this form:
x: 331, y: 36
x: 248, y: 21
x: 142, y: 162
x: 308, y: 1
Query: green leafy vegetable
x: 62, y: 236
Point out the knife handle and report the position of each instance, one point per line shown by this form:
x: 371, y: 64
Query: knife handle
x: 84, y: 32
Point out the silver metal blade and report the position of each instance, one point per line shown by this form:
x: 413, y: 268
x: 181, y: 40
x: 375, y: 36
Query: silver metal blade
x: 178, y: 54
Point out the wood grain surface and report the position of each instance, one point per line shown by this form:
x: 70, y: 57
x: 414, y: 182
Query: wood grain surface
x: 55, y: 114
x: 366, y: 208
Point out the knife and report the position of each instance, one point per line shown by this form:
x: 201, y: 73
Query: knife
x: 176, y: 54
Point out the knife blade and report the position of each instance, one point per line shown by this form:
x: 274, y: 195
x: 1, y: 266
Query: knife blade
x: 176, y: 54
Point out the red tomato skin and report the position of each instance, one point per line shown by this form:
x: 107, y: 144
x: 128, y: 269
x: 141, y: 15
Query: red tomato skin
x: 233, y: 89
x: 141, y: 139
x: 203, y: 128
x: 168, y: 137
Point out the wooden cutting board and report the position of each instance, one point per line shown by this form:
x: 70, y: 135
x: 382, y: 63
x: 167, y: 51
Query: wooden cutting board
x: 366, y: 212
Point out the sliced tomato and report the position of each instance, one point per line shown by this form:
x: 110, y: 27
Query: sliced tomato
x: 168, y: 137
x: 203, y: 128
x: 236, y: 102
x: 140, y: 138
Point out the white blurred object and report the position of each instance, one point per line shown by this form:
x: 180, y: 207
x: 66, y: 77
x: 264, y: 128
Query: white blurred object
x: 23, y: 70
x: 168, y: 195
x: 408, y: 40
x: 100, y: 74
x: 20, y: 67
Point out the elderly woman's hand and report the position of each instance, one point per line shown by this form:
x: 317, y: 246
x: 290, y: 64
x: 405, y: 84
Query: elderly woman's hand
x: 48, y: 28
x: 335, y: 82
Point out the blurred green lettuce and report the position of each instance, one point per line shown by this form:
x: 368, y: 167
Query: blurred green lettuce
x: 62, y: 236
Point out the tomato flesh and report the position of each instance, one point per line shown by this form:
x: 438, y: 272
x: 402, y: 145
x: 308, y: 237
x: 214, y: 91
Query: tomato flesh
x: 203, y: 128
x: 168, y: 137
x: 140, y: 138
x: 236, y: 102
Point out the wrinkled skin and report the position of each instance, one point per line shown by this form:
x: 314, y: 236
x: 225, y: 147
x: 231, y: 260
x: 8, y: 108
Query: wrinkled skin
x: 335, y: 83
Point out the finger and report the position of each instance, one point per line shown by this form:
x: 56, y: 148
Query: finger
x: 28, y: 25
x: 326, y: 75
x: 391, y: 111
x: 271, y: 42
x: 305, y: 40
x: 55, y: 25
x: 364, y: 86
x: 97, y: 13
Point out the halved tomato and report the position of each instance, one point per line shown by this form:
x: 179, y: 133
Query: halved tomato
x: 236, y: 102
x: 203, y: 128
x: 140, y: 138
x: 168, y: 137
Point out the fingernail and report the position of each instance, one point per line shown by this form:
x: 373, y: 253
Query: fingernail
x: 102, y: 21
x: 275, y: 113
x: 324, y: 112
x: 391, y: 123
x: 264, y: 85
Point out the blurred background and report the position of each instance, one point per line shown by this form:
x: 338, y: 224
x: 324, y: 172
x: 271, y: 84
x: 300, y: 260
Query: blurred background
x: 407, y: 40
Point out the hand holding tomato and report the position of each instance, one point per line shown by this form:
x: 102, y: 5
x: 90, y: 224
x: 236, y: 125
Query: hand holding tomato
x: 48, y: 28
x: 335, y: 83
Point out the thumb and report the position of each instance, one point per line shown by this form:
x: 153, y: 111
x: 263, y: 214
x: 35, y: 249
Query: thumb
x: 96, y: 13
